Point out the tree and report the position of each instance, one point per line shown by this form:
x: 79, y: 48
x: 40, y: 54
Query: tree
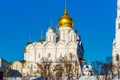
x: 103, y: 68
x: 107, y: 65
x: 97, y: 66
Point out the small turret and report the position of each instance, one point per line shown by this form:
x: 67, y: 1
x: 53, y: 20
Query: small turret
x: 41, y: 39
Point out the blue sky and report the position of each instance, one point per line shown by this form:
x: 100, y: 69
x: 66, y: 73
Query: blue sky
x: 94, y: 20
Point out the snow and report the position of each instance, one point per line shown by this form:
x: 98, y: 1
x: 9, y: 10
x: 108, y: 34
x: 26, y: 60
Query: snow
x: 65, y: 78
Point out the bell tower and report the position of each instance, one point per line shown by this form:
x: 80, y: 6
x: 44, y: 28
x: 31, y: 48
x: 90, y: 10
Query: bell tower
x: 116, y: 43
x: 117, y: 35
x: 118, y: 8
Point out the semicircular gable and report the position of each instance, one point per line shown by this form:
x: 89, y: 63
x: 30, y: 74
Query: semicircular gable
x: 49, y: 45
x: 30, y: 46
x: 60, y: 44
x: 38, y: 45
x: 71, y: 45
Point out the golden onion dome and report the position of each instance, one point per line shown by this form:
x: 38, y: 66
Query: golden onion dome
x: 65, y: 20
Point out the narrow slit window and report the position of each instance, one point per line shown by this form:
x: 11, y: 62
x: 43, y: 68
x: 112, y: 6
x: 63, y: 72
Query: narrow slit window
x: 119, y: 26
x: 117, y: 57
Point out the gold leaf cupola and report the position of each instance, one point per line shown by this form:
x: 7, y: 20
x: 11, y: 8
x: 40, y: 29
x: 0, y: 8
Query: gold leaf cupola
x: 25, y: 50
x: 41, y: 39
x: 65, y: 20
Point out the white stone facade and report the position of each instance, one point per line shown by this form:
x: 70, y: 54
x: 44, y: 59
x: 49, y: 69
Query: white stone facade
x: 59, y: 55
x: 116, y: 43
x: 52, y: 48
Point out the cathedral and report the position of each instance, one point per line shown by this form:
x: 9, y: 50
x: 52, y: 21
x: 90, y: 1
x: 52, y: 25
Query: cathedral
x: 116, y: 44
x: 61, y: 54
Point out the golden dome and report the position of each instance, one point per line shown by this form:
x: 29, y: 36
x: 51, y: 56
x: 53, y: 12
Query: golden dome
x: 65, y: 20
x: 41, y: 39
x: 25, y: 50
